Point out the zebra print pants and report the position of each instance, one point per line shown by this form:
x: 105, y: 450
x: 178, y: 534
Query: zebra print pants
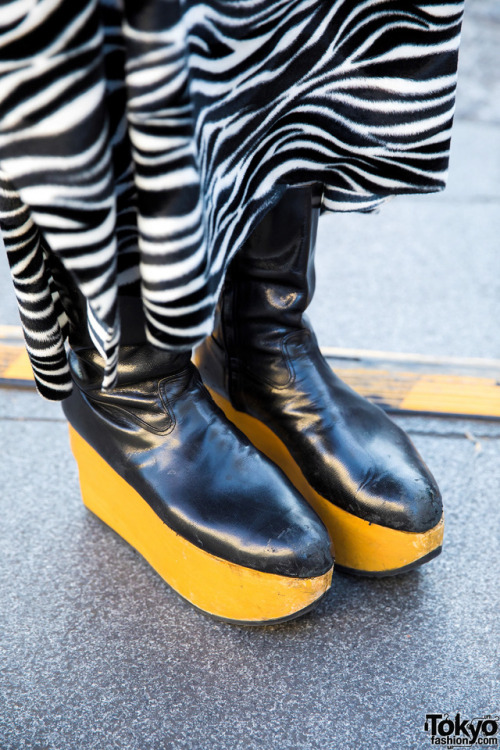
x: 141, y: 141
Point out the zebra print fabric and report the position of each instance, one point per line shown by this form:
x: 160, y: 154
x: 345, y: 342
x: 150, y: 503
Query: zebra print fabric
x: 141, y: 142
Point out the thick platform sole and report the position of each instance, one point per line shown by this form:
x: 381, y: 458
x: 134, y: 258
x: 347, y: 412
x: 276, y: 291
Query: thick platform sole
x: 361, y: 547
x: 218, y: 587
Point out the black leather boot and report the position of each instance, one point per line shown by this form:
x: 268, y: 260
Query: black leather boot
x: 162, y: 466
x: 263, y: 366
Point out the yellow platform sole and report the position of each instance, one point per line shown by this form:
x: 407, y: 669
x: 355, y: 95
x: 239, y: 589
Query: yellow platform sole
x: 216, y: 586
x: 361, y: 547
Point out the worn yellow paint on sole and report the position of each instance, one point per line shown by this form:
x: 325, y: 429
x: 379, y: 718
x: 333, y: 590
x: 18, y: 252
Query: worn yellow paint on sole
x: 360, y: 546
x: 214, y: 585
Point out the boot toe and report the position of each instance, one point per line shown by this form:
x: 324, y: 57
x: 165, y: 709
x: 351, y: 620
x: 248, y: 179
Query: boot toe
x: 410, y: 502
x: 161, y: 465
x: 271, y: 528
x: 298, y: 550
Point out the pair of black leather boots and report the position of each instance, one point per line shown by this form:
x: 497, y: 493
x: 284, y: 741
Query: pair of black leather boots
x: 220, y: 522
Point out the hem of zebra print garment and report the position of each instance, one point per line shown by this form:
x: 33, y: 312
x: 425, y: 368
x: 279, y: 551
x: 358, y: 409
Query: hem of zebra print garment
x: 53, y: 389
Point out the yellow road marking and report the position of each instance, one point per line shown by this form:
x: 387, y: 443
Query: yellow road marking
x: 420, y: 392
x: 453, y: 395
x: 404, y: 391
x: 15, y: 364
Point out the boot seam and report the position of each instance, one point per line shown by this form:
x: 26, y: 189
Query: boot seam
x: 233, y: 375
x: 123, y: 410
x: 287, y: 361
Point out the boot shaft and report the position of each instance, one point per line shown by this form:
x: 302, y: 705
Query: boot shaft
x: 268, y: 288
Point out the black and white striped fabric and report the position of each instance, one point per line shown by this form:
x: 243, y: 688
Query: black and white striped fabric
x: 142, y: 141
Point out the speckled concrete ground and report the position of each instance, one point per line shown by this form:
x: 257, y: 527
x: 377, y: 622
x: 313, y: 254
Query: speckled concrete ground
x: 97, y: 653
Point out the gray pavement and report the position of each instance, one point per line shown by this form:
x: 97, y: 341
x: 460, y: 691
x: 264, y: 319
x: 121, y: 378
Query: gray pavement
x: 97, y: 653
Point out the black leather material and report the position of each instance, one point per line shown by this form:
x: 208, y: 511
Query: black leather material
x: 161, y: 432
x: 348, y: 449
